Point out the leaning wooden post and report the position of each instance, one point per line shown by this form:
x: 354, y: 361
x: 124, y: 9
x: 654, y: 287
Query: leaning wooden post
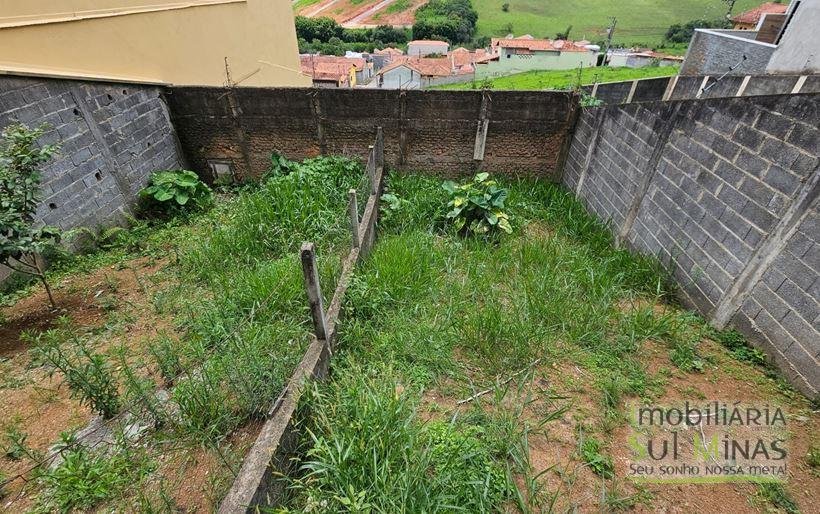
x: 314, y: 291
x: 353, y: 209
x: 371, y: 169
x: 379, y: 148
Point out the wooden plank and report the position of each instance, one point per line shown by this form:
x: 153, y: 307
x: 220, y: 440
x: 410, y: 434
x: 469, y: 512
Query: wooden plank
x: 314, y: 290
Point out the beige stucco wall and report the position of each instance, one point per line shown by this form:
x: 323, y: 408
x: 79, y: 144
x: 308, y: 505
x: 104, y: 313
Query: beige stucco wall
x: 176, y: 42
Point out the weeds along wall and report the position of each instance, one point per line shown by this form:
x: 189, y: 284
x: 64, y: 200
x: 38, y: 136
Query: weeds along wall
x: 445, y: 131
x: 111, y: 137
x: 725, y: 192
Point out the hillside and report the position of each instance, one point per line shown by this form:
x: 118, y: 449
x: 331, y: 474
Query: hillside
x: 639, y: 21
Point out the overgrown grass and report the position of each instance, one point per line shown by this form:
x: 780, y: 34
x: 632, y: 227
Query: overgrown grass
x: 564, y: 79
x: 430, y: 304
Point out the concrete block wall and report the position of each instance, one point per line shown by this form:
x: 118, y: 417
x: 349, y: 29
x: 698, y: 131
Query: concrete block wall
x: 725, y: 192
x: 111, y: 137
x: 437, y: 131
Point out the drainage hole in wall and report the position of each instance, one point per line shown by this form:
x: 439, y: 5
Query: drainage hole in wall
x: 76, y: 112
x: 110, y: 97
x: 52, y: 206
x: 125, y: 91
x: 98, y: 176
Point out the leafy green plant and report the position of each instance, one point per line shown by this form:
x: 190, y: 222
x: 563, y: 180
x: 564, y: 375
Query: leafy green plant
x: 15, y: 447
x: 84, y: 479
x: 22, y: 243
x: 739, y: 347
x: 813, y: 459
x: 599, y: 463
x: 173, y: 190
x: 88, y: 374
x: 280, y: 165
x: 776, y: 494
x: 685, y: 356
x: 477, y: 206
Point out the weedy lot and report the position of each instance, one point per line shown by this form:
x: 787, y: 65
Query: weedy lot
x: 564, y: 79
x: 173, y: 341
x: 475, y: 373
x: 493, y: 374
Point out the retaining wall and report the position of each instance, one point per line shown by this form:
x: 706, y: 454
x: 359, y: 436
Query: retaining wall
x: 725, y: 192
x: 449, y: 132
x: 111, y: 137
x: 701, y: 86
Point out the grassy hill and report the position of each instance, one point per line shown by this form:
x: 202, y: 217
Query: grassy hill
x: 639, y: 21
x: 562, y: 79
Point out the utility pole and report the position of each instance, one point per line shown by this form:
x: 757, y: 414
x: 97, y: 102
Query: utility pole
x: 609, y: 32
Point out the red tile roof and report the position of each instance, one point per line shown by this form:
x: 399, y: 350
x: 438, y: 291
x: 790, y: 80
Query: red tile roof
x: 753, y: 16
x: 537, y: 45
x: 428, y: 66
x: 358, y: 62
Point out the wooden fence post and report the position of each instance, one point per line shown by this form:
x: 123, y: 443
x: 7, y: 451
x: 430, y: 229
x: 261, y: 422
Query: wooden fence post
x: 353, y: 210
x: 371, y: 169
x: 379, y: 148
x: 314, y: 291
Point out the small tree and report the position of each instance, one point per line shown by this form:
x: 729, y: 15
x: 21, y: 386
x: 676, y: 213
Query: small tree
x: 21, y: 242
x: 505, y: 7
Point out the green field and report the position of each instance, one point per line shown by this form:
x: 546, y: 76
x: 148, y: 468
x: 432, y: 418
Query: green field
x: 639, y: 21
x: 562, y: 79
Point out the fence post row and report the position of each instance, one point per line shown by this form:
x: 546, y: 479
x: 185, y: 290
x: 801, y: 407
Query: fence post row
x: 371, y: 168
x: 314, y: 290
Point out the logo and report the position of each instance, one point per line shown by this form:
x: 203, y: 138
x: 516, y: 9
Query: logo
x: 707, y: 442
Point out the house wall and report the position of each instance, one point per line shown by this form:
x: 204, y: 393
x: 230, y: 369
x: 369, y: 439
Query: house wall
x: 725, y: 193
x: 798, y: 51
x: 158, y: 41
x: 715, y: 52
x: 431, y: 131
x: 537, y: 61
x: 111, y: 137
x: 400, y: 77
x: 422, y: 49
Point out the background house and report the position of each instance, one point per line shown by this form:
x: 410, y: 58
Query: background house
x: 330, y: 71
x: 516, y: 55
x: 749, y: 20
x: 421, y: 72
x: 423, y: 47
x: 783, y: 44
x: 161, y: 41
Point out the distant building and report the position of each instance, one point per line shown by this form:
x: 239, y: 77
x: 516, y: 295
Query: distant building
x: 525, y: 53
x: 424, y: 47
x: 748, y: 20
x: 421, y: 72
x: 780, y: 43
x: 639, y: 58
x: 196, y: 42
x: 329, y: 70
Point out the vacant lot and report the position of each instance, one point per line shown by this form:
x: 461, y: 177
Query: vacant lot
x: 495, y: 375
x: 144, y: 391
x: 563, y: 79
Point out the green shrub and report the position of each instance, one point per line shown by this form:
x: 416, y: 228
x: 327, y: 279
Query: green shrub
x: 83, y: 479
x: 22, y: 240
x: 476, y: 207
x: 174, y: 190
x: 88, y: 374
x: 599, y: 463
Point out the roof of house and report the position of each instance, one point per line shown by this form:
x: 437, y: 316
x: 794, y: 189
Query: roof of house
x: 345, y: 62
x: 538, y: 45
x: 463, y: 57
x: 428, y: 42
x: 753, y: 16
x: 428, y: 66
x: 388, y: 51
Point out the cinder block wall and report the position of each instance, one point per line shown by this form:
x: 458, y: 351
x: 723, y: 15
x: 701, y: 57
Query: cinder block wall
x: 434, y: 131
x: 111, y: 137
x: 725, y: 192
